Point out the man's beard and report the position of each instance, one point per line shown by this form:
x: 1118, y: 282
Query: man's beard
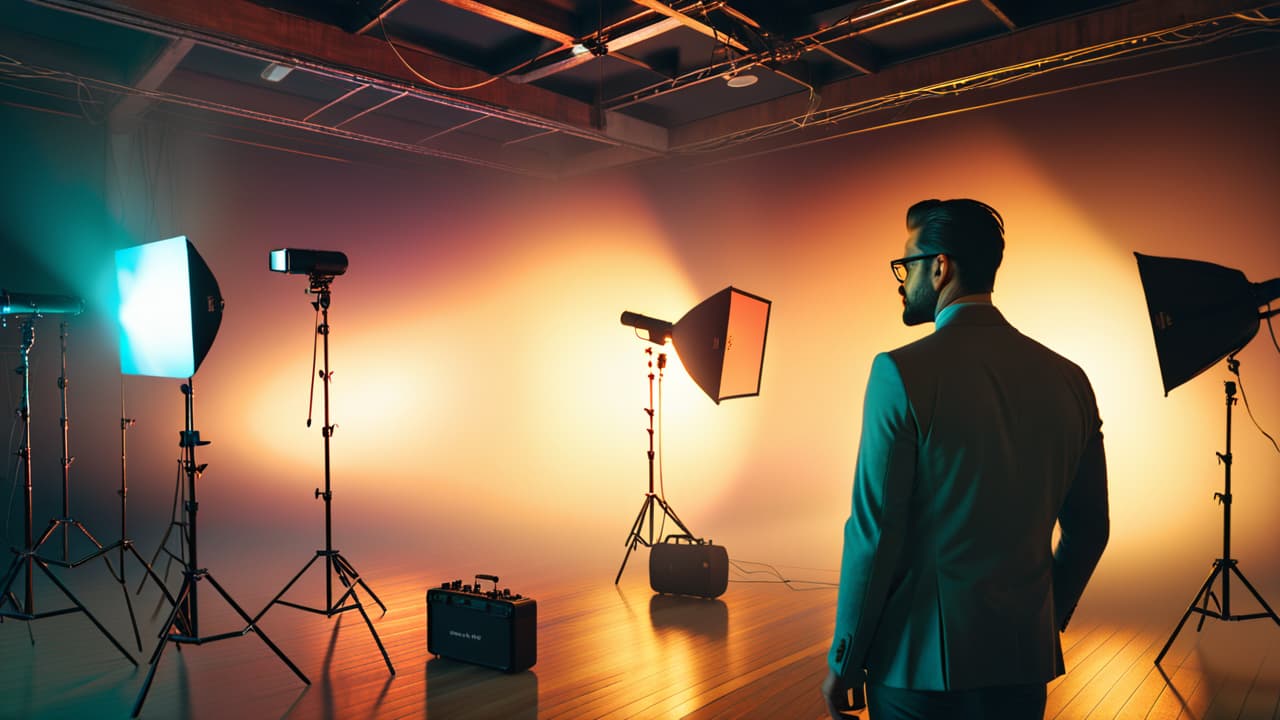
x: 920, y: 304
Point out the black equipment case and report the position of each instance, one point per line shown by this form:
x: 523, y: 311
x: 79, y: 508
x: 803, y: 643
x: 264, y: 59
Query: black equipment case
x: 493, y: 628
x: 685, y: 565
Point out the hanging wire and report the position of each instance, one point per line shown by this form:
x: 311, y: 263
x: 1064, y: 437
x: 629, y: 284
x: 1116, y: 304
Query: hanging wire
x: 1271, y: 329
x: 662, y: 485
x: 1235, y: 369
x: 442, y: 86
x: 315, y: 344
x: 778, y: 577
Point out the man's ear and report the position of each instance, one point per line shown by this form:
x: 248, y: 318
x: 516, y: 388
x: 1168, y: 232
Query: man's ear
x: 942, y: 270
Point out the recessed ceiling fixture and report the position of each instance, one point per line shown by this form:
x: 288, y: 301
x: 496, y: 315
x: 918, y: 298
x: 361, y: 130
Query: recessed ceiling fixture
x: 275, y: 72
x: 741, y: 79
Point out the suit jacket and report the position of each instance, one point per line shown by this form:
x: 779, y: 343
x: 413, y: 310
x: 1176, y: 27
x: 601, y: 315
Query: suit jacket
x: 975, y: 441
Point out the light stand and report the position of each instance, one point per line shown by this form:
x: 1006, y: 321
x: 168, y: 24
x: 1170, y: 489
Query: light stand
x: 635, y: 537
x: 66, y: 523
x: 26, y: 559
x: 183, y: 624
x: 1225, y: 565
x: 176, y: 520
x: 334, y: 562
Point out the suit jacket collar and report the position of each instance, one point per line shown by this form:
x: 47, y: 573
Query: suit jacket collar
x: 970, y: 314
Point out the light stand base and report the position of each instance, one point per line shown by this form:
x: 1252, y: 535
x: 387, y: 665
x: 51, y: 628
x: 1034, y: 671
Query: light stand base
x: 636, y: 538
x: 349, y: 600
x: 99, y: 551
x: 7, y: 597
x: 185, y: 634
x: 1200, y: 604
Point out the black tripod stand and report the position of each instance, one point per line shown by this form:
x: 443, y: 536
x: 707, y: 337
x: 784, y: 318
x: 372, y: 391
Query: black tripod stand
x: 635, y: 537
x: 183, y: 623
x: 176, y: 520
x: 66, y: 523
x: 334, y: 561
x: 26, y: 559
x: 1224, y: 566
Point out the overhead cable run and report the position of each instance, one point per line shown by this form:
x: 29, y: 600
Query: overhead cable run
x: 16, y: 69
x: 1188, y: 35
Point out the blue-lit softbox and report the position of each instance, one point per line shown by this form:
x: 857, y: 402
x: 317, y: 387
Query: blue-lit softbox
x: 170, y: 308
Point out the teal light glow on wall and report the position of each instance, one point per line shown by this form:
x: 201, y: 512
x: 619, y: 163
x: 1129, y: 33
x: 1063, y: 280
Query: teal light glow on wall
x: 170, y: 308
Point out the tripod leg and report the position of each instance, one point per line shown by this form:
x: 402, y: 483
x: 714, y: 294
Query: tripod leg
x: 634, y: 538
x: 155, y: 556
x: 128, y: 601
x: 137, y: 637
x: 1256, y: 595
x: 48, y: 532
x: 617, y: 578
x: 99, y: 549
x: 245, y: 616
x: 672, y: 514
x: 1205, y: 609
x: 164, y: 640
x: 285, y: 590
x: 11, y: 577
x: 338, y: 557
x: 342, y: 575
x: 1195, y: 601
x: 638, y: 525
x: 85, y: 610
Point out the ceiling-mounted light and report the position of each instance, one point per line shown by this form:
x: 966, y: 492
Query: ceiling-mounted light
x: 741, y: 79
x: 275, y: 72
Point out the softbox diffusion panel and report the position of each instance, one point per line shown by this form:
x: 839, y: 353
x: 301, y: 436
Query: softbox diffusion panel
x: 1200, y: 313
x: 721, y: 343
x: 170, y: 308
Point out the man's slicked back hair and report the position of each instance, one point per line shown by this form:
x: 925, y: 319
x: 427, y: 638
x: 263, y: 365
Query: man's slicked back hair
x: 970, y: 231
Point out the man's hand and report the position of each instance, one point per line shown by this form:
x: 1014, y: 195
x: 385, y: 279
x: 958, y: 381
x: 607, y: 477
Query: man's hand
x: 837, y: 693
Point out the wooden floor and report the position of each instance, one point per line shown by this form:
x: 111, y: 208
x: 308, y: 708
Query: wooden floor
x: 604, y: 652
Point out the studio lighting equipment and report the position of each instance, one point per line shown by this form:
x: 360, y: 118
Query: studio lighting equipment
x: 66, y: 523
x: 720, y: 342
x: 26, y: 560
x: 721, y: 345
x: 1201, y: 313
x: 12, y: 303
x: 308, y: 262
x: 321, y: 266
x: 170, y: 310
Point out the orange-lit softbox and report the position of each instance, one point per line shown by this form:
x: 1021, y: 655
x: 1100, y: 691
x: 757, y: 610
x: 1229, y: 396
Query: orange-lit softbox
x: 720, y: 341
x: 1200, y: 313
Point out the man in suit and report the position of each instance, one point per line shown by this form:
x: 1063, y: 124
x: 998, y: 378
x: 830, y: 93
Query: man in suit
x: 976, y: 440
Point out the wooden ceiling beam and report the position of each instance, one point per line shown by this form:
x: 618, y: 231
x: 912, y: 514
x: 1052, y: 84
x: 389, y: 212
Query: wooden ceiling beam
x: 612, y: 47
x: 691, y: 22
x: 994, y: 9
x: 864, y: 62
x: 125, y: 114
x: 541, y: 19
x: 1132, y: 19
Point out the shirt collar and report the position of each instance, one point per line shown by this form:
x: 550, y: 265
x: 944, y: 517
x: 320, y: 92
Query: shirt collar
x: 949, y: 312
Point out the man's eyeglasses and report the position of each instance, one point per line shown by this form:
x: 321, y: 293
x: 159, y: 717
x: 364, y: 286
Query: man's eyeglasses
x: 899, y: 266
